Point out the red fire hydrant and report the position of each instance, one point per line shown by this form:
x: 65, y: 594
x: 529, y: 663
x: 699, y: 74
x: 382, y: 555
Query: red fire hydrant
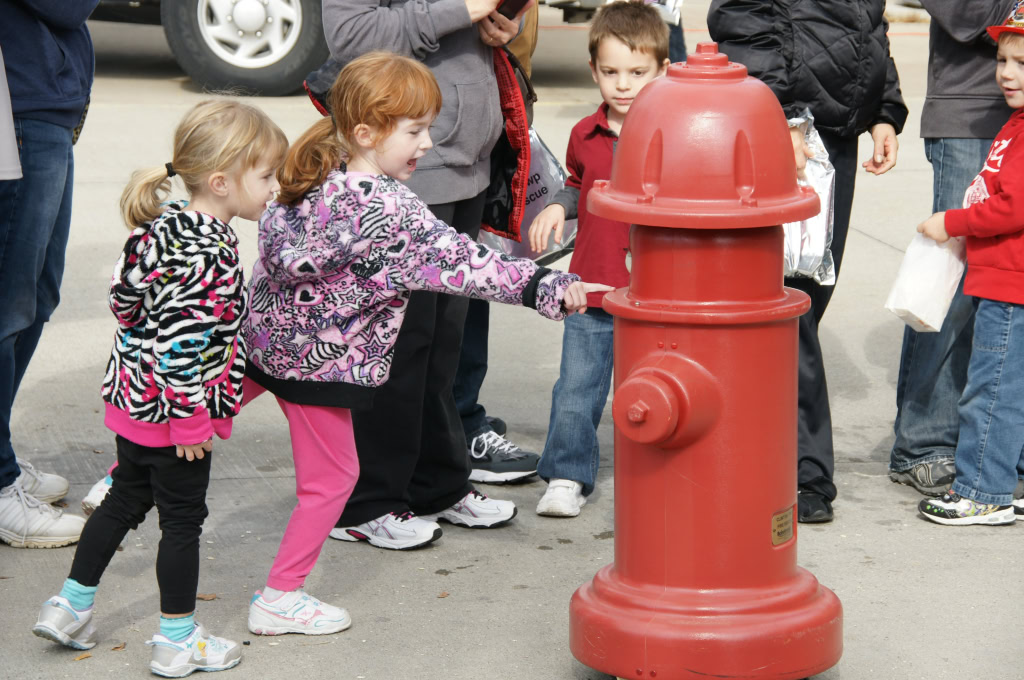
x: 705, y: 582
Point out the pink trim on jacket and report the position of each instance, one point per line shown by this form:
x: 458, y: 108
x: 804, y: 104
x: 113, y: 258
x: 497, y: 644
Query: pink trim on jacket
x: 180, y: 431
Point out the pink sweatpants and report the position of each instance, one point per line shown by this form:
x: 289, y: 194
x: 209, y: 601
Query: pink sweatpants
x: 326, y: 469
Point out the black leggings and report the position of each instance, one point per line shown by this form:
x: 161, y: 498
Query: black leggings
x: 145, y: 477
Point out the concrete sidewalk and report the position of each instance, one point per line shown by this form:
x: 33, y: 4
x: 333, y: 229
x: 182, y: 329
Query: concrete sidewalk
x: 921, y: 601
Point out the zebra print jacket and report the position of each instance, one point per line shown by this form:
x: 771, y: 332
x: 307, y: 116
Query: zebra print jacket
x: 332, y: 283
x: 175, y: 371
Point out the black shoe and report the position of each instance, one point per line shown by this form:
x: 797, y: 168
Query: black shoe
x: 495, y: 460
x: 813, y: 508
x: 497, y: 424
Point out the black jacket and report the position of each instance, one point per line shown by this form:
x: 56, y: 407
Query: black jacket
x: 831, y: 56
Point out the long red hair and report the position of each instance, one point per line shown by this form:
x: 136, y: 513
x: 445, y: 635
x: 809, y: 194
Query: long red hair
x: 378, y: 89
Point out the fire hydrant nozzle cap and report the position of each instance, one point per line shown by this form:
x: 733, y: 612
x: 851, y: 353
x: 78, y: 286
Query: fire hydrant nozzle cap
x: 708, y: 62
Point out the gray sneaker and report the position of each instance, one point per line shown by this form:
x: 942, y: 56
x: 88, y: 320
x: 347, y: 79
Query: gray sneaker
x: 60, y: 622
x: 496, y: 460
x: 932, y: 479
x: 200, y: 651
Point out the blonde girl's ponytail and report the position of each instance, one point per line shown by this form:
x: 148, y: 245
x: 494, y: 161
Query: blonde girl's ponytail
x: 318, y: 151
x: 141, y: 200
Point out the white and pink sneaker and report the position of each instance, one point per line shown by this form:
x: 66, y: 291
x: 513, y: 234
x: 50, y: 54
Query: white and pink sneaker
x: 295, y: 612
x: 477, y: 511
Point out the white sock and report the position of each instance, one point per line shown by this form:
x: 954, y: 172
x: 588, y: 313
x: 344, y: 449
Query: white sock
x: 273, y: 594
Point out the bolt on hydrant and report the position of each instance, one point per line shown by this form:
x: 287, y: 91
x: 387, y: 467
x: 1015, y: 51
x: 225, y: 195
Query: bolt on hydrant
x: 705, y: 582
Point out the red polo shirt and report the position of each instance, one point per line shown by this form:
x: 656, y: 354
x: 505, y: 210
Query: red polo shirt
x: 601, y: 244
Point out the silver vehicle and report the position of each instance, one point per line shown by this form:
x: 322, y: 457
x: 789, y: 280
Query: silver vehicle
x: 259, y: 46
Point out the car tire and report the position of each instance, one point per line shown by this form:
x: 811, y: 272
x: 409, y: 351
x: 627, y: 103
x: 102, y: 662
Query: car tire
x: 282, y: 41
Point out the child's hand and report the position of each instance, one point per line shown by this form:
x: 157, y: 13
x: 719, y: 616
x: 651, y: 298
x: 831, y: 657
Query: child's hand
x: 801, y: 152
x: 194, y: 451
x: 575, y: 298
x: 935, y: 228
x: 551, y: 217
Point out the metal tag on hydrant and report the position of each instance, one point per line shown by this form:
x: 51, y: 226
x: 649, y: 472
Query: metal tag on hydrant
x: 782, y: 526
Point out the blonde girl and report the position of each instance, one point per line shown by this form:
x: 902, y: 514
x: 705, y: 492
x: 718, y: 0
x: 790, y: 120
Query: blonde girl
x: 175, y: 372
x: 340, y: 252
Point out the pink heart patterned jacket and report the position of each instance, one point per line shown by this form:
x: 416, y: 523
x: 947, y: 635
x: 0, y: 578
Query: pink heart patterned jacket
x: 335, y: 271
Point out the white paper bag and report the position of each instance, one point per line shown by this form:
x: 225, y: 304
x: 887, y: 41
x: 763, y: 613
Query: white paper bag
x: 927, y: 280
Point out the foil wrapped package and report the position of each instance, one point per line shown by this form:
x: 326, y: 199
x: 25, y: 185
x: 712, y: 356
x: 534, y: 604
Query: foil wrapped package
x: 546, y: 178
x: 808, y: 242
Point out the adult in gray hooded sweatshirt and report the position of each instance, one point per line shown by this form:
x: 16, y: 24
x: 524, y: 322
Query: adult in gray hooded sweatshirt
x: 963, y: 111
x: 412, y: 449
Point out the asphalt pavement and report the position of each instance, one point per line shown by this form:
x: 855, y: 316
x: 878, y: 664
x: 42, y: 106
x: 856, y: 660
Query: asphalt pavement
x: 921, y: 601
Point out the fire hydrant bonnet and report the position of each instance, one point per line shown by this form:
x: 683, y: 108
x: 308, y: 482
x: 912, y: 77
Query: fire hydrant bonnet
x: 730, y: 158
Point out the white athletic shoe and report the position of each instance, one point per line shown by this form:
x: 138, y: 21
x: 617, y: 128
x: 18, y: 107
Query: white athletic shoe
x: 476, y: 510
x: 563, y: 498
x: 200, y: 651
x: 96, y: 494
x: 44, y: 486
x: 27, y: 522
x: 62, y: 623
x: 392, y: 531
x: 295, y: 612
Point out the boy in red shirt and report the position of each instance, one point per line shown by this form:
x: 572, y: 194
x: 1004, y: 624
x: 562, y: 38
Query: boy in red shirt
x: 989, y: 450
x: 628, y: 49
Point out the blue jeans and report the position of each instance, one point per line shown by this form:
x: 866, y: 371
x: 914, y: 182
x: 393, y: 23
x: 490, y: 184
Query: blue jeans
x: 676, y: 43
x: 577, y: 402
x: 35, y: 217
x: 933, y: 366
x: 989, y: 450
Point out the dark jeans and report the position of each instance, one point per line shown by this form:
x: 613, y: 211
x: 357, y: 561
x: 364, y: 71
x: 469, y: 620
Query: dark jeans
x: 815, y: 451
x: 35, y: 217
x: 411, y: 447
x: 676, y: 43
x: 145, y: 477
x: 933, y: 366
x: 473, y: 369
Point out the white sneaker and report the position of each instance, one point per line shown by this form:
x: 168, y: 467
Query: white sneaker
x: 477, y: 510
x: 60, y: 622
x: 564, y: 498
x: 295, y: 612
x: 44, y: 486
x: 200, y: 651
x: 392, y: 531
x: 27, y: 522
x: 96, y: 494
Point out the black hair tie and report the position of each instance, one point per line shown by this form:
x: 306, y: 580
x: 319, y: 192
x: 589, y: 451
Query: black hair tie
x: 170, y: 170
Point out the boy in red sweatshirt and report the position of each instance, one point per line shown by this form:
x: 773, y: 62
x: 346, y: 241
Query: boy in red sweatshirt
x: 989, y: 455
x: 628, y: 46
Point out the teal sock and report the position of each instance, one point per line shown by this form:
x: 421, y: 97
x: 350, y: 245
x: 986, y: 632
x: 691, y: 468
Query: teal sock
x: 81, y: 597
x: 108, y: 480
x: 177, y: 629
